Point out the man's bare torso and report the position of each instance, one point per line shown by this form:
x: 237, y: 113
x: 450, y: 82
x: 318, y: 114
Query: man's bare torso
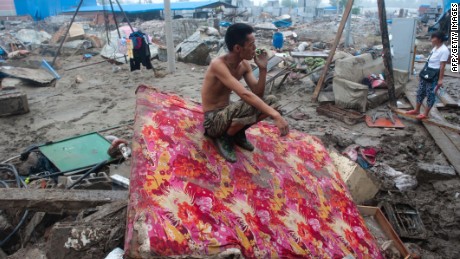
x: 214, y: 93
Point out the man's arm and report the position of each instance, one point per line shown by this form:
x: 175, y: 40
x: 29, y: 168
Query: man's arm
x: 257, y: 86
x: 222, y: 73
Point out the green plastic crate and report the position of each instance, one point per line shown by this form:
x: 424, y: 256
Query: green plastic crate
x: 77, y: 152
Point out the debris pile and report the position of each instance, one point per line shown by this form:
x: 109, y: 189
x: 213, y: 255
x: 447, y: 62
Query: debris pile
x: 403, y: 173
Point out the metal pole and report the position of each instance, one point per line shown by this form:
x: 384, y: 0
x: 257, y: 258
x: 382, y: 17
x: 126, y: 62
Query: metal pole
x: 169, y: 37
x: 67, y: 32
x: 116, y: 24
x: 348, y: 32
x: 124, y: 14
x: 387, y: 53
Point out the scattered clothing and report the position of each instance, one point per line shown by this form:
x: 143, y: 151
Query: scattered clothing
x: 364, y: 156
x: 141, y: 51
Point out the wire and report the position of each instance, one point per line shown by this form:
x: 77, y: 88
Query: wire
x: 4, y: 184
x: 19, y: 181
x: 10, y: 159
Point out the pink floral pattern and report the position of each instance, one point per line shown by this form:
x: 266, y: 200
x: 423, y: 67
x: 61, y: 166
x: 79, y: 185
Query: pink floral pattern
x: 284, y: 200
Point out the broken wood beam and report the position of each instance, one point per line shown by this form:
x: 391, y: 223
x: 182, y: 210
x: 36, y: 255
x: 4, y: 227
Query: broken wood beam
x: 322, y: 79
x: 446, y: 140
x: 440, y: 124
x: 57, y: 200
x: 387, y: 62
x: 447, y: 100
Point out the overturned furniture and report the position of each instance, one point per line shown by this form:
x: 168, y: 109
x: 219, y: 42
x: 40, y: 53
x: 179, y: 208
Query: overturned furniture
x: 350, y: 93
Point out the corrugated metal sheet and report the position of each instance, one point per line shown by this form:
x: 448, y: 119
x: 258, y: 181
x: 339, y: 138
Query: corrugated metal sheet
x: 7, y: 8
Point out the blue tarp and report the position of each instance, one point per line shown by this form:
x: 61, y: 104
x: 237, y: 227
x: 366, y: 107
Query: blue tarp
x: 447, y: 4
x: 40, y: 9
x: 330, y: 8
x: 282, y: 24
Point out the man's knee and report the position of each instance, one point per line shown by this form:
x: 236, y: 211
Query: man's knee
x: 271, y: 100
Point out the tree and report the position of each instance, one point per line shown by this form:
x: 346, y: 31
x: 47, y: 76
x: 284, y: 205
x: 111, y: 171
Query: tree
x: 289, y: 3
x: 355, y: 10
x: 342, y: 3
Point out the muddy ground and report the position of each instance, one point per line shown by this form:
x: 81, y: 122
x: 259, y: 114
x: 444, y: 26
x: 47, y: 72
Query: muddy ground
x: 105, y: 98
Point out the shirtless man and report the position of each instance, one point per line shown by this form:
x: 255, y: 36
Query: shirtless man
x: 227, y: 122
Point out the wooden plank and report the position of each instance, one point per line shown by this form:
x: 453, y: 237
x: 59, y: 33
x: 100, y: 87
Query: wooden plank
x: 447, y: 72
x: 57, y: 200
x: 442, y: 137
x: 106, y: 211
x: 446, y: 145
x: 441, y: 124
x: 322, y: 79
x: 306, y: 54
x: 447, y: 100
x: 385, y: 226
x: 33, y: 223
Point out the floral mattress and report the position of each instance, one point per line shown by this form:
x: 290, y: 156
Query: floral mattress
x: 284, y: 200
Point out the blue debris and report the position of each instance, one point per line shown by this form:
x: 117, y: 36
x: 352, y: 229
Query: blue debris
x: 225, y: 24
x: 282, y: 23
x: 278, y: 40
x: 50, y: 69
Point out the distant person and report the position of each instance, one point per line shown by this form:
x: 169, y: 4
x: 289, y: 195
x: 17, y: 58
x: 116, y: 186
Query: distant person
x: 431, y: 76
x: 226, y: 122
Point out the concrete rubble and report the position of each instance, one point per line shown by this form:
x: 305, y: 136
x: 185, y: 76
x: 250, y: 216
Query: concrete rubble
x: 196, y: 48
x: 32, y: 36
x: 98, y: 92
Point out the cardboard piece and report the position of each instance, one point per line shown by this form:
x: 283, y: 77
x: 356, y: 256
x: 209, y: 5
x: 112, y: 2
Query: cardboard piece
x: 76, y: 32
x: 360, y: 185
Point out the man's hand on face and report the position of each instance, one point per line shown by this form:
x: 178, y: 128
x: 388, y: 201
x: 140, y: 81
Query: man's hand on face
x: 282, y: 125
x: 261, y: 59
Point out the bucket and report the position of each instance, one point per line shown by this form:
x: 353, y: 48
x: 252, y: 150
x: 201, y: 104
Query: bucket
x: 162, y: 54
x: 278, y: 40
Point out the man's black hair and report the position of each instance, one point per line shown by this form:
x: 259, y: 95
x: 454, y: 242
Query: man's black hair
x: 440, y: 35
x: 237, y: 34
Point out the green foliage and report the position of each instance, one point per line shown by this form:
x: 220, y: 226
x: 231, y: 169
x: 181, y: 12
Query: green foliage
x: 355, y: 10
x: 289, y: 3
x: 342, y: 3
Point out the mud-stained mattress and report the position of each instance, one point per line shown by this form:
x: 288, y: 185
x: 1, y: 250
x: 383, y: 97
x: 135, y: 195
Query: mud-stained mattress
x: 284, y: 200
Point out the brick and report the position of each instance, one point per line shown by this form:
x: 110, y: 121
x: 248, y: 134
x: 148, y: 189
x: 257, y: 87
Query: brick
x: 94, y: 181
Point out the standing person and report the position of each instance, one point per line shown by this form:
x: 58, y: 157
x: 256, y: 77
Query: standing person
x: 227, y: 122
x: 431, y: 75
